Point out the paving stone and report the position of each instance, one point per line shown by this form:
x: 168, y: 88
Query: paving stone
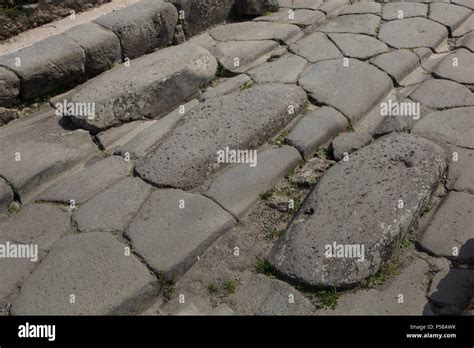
x: 47, y: 65
x: 358, y: 46
x: 467, y: 42
x: 6, y: 196
x: 227, y: 86
x: 302, y: 18
x: 303, y: 4
x: 451, y: 227
x: 241, y: 186
x: 465, y: 3
x: 356, y: 24
x: 349, y: 207
x: 352, y: 89
x: 453, y: 126
x: 362, y: 7
x: 465, y: 27
x: 316, y: 129
x: 170, y: 238
x: 113, y: 209
x: 398, y: 64
x: 13, y: 272
x: 286, y: 69
x: 267, y: 296
x: 9, y: 86
x: 189, y: 154
x: 248, y: 53
x: 457, y: 67
x: 316, y: 47
x: 448, y: 14
x: 411, y: 283
x: 249, y: 31
x: 201, y: 15
x: 347, y: 143
x: 141, y: 143
x: 41, y: 224
x: 113, y: 137
x: 413, y: 33
x: 332, y: 7
x: 96, y: 270
x: 400, y: 10
x: 88, y: 182
x: 125, y: 94
x: 7, y: 115
x: 44, y: 149
x: 203, y: 40
x: 451, y: 291
x: 142, y: 27
x: 101, y: 46
x: 443, y: 94
x: 461, y: 169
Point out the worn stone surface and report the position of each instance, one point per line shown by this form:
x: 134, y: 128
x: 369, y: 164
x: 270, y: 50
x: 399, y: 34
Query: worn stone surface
x: 90, y: 181
x: 286, y: 69
x: 358, y: 46
x: 267, y: 296
x: 170, y: 238
x: 45, y: 151
x: 309, y: 174
x: 6, y: 196
x: 448, y: 232
x: 142, y: 27
x: 227, y: 86
x: 305, y: 4
x: 453, y: 126
x: 467, y: 42
x: 398, y: 64
x: 461, y: 169
x: 113, y: 209
x: 47, y: 65
x: 9, y: 86
x: 362, y: 7
x: 41, y: 224
x: 443, y: 94
x: 221, y: 122
x: 316, y: 47
x: 413, y: 33
x: 347, y: 143
x: 301, y: 18
x: 94, y: 268
x: 448, y: 14
x: 125, y: 94
x: 411, y: 283
x: 101, y: 46
x: 249, y: 31
x: 356, y: 24
x: 241, y: 185
x: 315, y: 129
x: 451, y: 291
x: 347, y: 207
x: 391, y: 11
x: 461, y: 72
x: 352, y: 89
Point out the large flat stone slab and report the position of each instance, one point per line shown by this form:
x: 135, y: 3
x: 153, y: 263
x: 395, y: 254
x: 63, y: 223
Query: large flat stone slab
x: 351, y: 89
x: 361, y: 8
x: 268, y: 296
x: 286, y: 69
x: 448, y: 232
x: 190, y: 153
x: 448, y: 14
x: 443, y: 94
x: 88, y: 182
x: 169, y: 237
x: 356, y: 24
x: 241, y: 186
x: 356, y: 203
x: 304, y: 4
x: 400, y: 10
x: 461, y: 170
x: 95, y: 269
x: 37, y: 150
x: 142, y: 27
x: 457, y: 67
x: 47, y: 65
x: 302, y: 18
x: 40, y: 224
x: 113, y: 209
x: 316, y: 47
x: 123, y: 94
x: 413, y: 33
x: 358, y: 46
x: 398, y: 64
x: 453, y: 126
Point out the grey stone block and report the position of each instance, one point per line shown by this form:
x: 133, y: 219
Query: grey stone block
x: 9, y: 86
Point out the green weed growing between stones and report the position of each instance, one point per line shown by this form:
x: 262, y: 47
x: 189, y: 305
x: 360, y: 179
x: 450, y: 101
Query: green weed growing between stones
x: 389, y: 269
x: 327, y: 298
x: 212, y: 289
x: 246, y: 85
x: 263, y: 266
x: 229, y: 286
x: 408, y: 241
x: 167, y: 290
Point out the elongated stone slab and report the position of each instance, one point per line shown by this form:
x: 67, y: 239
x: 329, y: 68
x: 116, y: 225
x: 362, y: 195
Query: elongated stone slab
x: 173, y: 228
x: 443, y: 94
x: 286, y: 69
x: 358, y: 46
x: 356, y: 24
x: 356, y: 207
x: 351, y: 89
x: 190, y: 153
x: 457, y: 66
x: 95, y: 268
x: 448, y: 14
x: 399, y: 10
x: 125, y: 93
x: 316, y: 47
x: 301, y: 18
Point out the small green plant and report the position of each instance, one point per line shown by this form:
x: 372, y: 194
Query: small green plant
x: 426, y: 210
x: 281, y: 137
x: 265, y: 196
x: 229, y: 286
x: 263, y: 266
x: 350, y: 128
x: 322, y: 152
x: 246, y: 85
x: 220, y: 71
x: 271, y: 233
x: 328, y: 298
x: 388, y: 270
x: 11, y: 12
x: 168, y: 290
x: 212, y: 289
x: 13, y: 209
x: 408, y: 241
